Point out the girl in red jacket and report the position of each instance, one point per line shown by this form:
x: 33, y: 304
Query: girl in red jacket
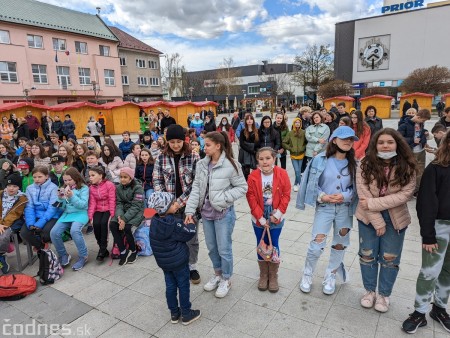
x: 102, y: 206
x: 362, y: 130
x: 269, y: 193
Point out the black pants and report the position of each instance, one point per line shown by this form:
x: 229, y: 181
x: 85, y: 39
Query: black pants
x: 305, y: 163
x: 282, y: 162
x: 246, y: 170
x: 33, y: 134
x: 37, y: 238
x: 97, y: 138
x: 100, y: 223
x: 120, y: 234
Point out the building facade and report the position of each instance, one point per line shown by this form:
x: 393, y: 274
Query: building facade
x: 140, y: 68
x: 51, y: 55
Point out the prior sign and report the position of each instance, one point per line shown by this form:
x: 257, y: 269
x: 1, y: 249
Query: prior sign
x: 402, y: 6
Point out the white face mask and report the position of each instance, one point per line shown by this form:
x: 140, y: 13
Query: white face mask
x: 224, y: 123
x: 387, y: 155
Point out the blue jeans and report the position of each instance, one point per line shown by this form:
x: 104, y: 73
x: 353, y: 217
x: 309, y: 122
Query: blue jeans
x: 178, y: 281
x: 219, y: 243
x: 75, y: 232
x: 297, y: 164
x: 384, y: 251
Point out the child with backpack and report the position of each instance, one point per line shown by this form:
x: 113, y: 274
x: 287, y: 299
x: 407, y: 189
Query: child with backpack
x: 102, y: 206
x: 129, y: 213
x: 73, y: 199
x: 168, y: 237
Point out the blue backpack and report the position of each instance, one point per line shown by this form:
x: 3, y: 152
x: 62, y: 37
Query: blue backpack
x: 142, y: 239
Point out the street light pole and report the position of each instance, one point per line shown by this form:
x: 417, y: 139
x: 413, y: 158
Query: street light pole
x: 191, y: 89
x: 96, y: 89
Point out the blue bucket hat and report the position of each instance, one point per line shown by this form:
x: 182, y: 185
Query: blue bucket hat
x: 343, y: 132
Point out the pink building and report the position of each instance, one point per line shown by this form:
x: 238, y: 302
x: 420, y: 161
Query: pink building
x: 51, y: 55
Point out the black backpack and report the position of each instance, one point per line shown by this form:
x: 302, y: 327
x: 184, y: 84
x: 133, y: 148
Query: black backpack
x: 50, y: 270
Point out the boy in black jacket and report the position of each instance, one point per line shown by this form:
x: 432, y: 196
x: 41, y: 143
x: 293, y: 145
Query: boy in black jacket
x: 168, y: 236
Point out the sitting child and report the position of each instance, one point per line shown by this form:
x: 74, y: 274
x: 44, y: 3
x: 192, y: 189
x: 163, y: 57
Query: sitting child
x: 26, y: 166
x: 168, y: 235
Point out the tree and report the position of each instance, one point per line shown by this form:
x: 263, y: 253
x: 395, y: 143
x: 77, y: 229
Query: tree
x: 228, y: 78
x: 174, y: 76
x: 315, y: 67
x: 432, y: 80
x: 334, y: 88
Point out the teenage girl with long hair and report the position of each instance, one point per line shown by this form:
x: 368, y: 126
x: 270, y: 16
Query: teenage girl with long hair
x: 281, y: 127
x: 248, y: 141
x: 362, y: 131
x: 144, y: 171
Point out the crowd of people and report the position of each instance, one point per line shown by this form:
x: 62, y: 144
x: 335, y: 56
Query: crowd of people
x: 345, y: 164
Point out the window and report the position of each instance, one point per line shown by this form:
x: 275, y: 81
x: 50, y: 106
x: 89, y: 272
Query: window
x: 4, y: 37
x: 59, y: 44
x: 39, y: 73
x: 153, y: 64
x: 35, y: 41
x: 84, y: 75
x: 125, y: 80
x: 81, y: 47
x: 104, y: 50
x: 63, y: 76
x: 154, y: 81
x: 140, y: 63
x: 8, y: 72
x: 253, y: 90
x: 123, y: 61
x: 109, y: 77
x: 142, y: 81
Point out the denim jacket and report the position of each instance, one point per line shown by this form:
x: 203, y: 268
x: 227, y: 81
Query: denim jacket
x: 309, y: 187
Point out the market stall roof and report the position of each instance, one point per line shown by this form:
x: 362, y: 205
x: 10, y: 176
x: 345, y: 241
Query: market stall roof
x: 73, y: 105
x: 15, y: 105
x: 116, y: 104
x: 417, y: 94
x: 377, y: 96
x: 340, y: 98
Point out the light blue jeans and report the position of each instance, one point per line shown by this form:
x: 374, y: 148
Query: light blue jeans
x: 75, y: 232
x: 297, y: 164
x: 219, y: 243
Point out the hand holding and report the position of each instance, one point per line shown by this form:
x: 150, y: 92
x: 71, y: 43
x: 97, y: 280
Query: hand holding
x: 431, y: 248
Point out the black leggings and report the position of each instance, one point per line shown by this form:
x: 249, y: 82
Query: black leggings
x: 100, y: 223
x: 120, y: 234
x: 282, y: 162
x: 97, y: 138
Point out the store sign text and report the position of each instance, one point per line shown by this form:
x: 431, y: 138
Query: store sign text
x: 402, y: 6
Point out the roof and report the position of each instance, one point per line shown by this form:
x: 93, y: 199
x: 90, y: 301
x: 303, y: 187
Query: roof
x: 340, y: 98
x: 130, y: 42
x: 446, y: 95
x: 417, y: 94
x: 377, y: 96
x: 177, y: 104
x: 39, y: 14
x: 15, y: 105
x: 250, y: 70
x: 73, y: 105
x: 116, y: 104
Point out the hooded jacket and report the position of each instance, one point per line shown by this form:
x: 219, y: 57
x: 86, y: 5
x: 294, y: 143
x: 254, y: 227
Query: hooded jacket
x: 16, y: 211
x: 268, y: 137
x: 130, y: 203
x: 295, y: 142
x: 102, y: 197
x: 312, y: 134
x: 75, y: 207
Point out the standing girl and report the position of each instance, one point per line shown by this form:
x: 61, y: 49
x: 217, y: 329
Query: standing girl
x: 374, y: 122
x: 295, y: 142
x: 317, y: 136
x: 94, y: 128
x: 102, y: 206
x: 144, y: 172
x: 385, y: 181
x: 129, y: 213
x: 6, y: 130
x: 248, y: 140
x: 74, y: 197
x: 362, y: 131
x: 268, y: 196
x: 219, y: 183
x: 433, y: 211
x: 268, y: 137
x: 281, y: 127
x: 226, y: 126
x: 329, y: 185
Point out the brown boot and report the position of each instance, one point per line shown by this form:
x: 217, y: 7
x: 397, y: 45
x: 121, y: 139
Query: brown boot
x: 263, y: 282
x: 273, y: 277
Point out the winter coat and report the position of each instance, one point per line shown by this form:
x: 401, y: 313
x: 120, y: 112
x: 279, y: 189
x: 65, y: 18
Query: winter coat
x: 33, y: 122
x: 197, y: 125
x: 130, y: 203
x: 41, y: 204
x: 79, y: 164
x: 226, y: 185
x: 295, y: 142
x: 375, y: 124
x: 247, y: 150
x: 332, y: 125
x: 130, y: 161
x: 407, y: 129
x: 144, y: 173
x: 57, y: 127
x: 23, y: 131
x: 211, y: 126
x: 45, y: 162
x: 68, y: 127
x: 361, y: 145
x: 113, y: 167
x: 16, y: 211
x: 92, y: 128
x: 125, y: 148
x: 75, y: 207
x: 268, y: 137
x: 395, y: 202
x: 168, y: 236
x: 313, y: 133
x: 282, y: 134
x: 230, y: 132
x: 281, y: 194
x: 59, y: 181
x: 165, y: 122
x: 102, y: 197
x: 85, y: 172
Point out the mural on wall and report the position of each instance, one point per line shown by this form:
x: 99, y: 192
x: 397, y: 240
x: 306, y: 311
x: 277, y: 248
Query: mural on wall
x: 373, y: 53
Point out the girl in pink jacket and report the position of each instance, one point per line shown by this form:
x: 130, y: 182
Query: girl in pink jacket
x: 362, y: 130
x: 385, y: 181
x: 102, y: 206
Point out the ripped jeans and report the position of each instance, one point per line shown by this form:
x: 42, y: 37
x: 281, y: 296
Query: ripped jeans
x: 381, y: 253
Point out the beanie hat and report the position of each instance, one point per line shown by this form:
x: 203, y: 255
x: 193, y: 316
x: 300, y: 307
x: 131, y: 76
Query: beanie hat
x: 14, y: 179
x: 161, y: 201
x: 175, y: 132
x: 128, y: 171
x: 26, y: 163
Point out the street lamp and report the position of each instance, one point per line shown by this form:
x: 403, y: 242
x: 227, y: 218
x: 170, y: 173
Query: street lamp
x: 25, y: 93
x: 96, y: 89
x: 191, y: 89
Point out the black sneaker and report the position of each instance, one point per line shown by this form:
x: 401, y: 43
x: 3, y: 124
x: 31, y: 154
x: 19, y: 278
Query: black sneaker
x: 102, y: 253
x: 175, y: 317
x: 441, y: 317
x: 194, y: 277
x: 192, y: 316
x: 124, y: 257
x: 89, y: 229
x: 132, y: 257
x: 414, y: 321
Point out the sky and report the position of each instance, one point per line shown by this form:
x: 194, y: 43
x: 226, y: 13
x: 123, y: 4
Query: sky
x: 250, y: 31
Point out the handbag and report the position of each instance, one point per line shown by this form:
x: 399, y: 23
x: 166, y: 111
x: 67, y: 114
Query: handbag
x: 263, y: 249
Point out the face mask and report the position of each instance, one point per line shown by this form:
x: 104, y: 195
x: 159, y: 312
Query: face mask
x: 224, y: 123
x: 90, y: 147
x: 387, y: 155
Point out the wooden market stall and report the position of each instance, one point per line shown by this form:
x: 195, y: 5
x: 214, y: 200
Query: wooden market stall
x: 446, y: 98
x: 424, y: 100
x: 180, y: 110
x: 336, y: 99
x: 21, y: 108
x: 153, y: 105
x: 381, y: 102
x: 79, y: 112
x: 121, y: 116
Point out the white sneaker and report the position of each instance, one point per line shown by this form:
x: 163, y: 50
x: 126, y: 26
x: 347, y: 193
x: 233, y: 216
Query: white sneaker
x: 213, y: 283
x: 305, y: 283
x: 329, y: 284
x: 296, y: 188
x: 224, y: 287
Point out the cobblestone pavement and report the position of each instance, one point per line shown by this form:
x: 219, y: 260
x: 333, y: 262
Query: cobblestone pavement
x: 111, y: 301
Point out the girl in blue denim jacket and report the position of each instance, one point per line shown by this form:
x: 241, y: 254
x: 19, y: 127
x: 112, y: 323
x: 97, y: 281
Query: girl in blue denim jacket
x: 329, y: 185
